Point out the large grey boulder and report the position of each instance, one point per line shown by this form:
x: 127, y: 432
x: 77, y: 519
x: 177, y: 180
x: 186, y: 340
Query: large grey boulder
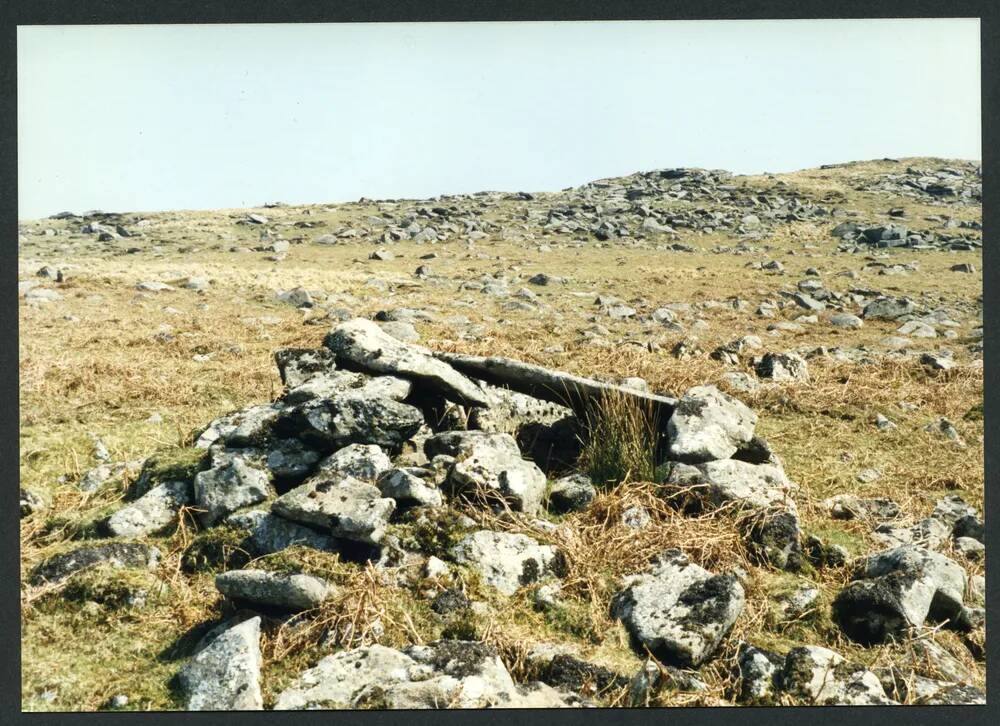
x: 506, y: 560
x: 154, y: 511
x: 222, y: 490
x: 345, y: 507
x: 225, y: 676
x: 362, y: 344
x: 277, y: 589
x: 899, y: 589
x: 819, y: 676
x: 678, y: 610
x: 708, y: 424
x: 492, y: 467
x: 730, y: 481
x: 331, y: 424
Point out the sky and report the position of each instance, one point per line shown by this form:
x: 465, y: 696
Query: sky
x: 147, y: 118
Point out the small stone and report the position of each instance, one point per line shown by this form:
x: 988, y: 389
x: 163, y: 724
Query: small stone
x: 280, y: 590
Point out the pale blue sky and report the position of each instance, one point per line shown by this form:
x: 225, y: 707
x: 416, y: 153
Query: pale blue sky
x: 144, y: 118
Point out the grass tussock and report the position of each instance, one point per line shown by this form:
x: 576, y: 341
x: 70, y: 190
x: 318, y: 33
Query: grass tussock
x: 622, y: 441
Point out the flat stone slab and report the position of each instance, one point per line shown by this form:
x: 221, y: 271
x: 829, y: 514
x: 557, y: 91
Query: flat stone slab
x: 362, y: 344
x: 346, y: 507
x: 575, y: 392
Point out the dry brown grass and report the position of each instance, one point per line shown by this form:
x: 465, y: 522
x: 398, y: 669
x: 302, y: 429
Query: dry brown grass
x: 109, y: 371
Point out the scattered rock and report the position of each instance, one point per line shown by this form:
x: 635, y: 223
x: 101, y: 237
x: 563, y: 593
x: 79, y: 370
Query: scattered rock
x: 225, y: 676
x: 678, y: 610
x: 279, y: 590
x: 115, y: 554
x: 507, y: 561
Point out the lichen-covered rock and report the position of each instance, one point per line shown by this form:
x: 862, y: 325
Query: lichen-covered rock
x: 331, y: 424
x: 773, y: 537
x: 362, y: 461
x: 268, y: 533
x: 225, y: 676
x: 571, y: 493
x: 362, y: 344
x: 898, y: 589
x: 730, y: 481
x: 114, y: 554
x: 222, y: 490
x: 446, y: 674
x: 509, y: 411
x: 887, y: 308
x: 285, y: 459
x: 819, y: 676
x: 461, y: 443
x: 928, y: 532
x: 337, y: 680
x: 708, y: 424
x: 678, y: 610
x: 298, y: 365
x: 344, y: 507
x: 340, y: 383
x: 484, y: 678
x: 154, y: 511
x: 489, y: 468
x: 950, y: 509
x: 412, y: 486
x: 849, y: 506
x: 929, y: 692
x: 276, y: 589
x: 758, y: 671
x: 798, y: 603
x: 783, y: 367
x: 654, y: 677
x: 507, y: 561
x: 248, y: 427
x: 821, y: 554
x: 569, y: 673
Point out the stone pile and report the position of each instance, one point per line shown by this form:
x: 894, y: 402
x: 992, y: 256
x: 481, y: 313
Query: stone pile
x: 370, y: 428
